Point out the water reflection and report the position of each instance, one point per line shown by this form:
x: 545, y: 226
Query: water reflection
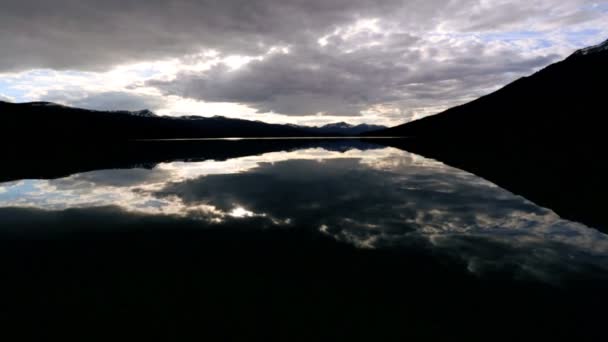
x: 375, y: 198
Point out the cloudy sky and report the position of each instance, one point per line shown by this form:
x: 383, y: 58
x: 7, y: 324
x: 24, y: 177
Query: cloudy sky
x: 296, y: 61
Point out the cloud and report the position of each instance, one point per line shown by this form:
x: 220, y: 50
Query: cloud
x: 5, y: 98
x: 86, y: 34
x: 346, y: 76
x: 67, y: 34
x: 113, y: 100
x: 112, y: 178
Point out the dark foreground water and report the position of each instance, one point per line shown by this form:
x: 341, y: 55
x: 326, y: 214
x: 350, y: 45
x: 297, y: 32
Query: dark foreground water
x: 336, y: 240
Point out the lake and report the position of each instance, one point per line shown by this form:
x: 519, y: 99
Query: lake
x: 333, y: 238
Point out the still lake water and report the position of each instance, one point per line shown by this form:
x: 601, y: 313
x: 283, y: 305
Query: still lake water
x: 360, y: 239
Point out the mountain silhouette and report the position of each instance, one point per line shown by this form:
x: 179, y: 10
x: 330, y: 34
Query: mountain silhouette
x: 563, y: 99
x: 541, y: 136
x: 52, y: 122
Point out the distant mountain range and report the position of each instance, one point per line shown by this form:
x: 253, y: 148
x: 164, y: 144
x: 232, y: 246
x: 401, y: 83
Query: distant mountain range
x: 342, y: 128
x: 542, y: 136
x: 50, y: 121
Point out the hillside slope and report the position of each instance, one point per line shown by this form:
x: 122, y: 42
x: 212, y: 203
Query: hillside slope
x: 566, y: 100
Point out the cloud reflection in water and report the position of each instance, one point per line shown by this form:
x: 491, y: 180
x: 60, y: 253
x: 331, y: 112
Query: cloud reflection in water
x: 383, y: 198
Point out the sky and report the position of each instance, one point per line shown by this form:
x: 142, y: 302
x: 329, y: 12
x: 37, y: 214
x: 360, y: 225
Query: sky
x: 307, y: 62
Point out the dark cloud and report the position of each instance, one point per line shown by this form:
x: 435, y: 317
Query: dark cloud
x: 313, y: 193
x: 112, y: 178
x: 513, y: 14
x: 348, y: 77
x: 68, y: 34
x: 108, y: 219
x: 113, y: 100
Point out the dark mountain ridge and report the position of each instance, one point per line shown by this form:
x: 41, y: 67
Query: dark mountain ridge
x: 50, y: 121
x: 52, y: 160
x: 46, y: 121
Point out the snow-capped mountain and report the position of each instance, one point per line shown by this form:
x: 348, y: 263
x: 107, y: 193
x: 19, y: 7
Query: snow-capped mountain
x: 342, y: 129
x: 45, y: 104
x: 593, y: 49
x: 141, y: 113
x: 338, y: 125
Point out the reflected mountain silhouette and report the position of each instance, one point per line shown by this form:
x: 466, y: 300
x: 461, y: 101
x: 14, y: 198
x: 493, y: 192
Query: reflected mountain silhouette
x: 569, y: 179
x: 56, y: 159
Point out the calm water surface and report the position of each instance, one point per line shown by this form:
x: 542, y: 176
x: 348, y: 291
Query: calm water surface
x: 374, y: 198
x: 436, y: 224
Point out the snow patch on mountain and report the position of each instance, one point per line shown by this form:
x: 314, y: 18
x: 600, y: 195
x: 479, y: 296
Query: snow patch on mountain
x: 338, y: 125
x: 593, y: 49
x: 141, y: 113
x: 46, y: 104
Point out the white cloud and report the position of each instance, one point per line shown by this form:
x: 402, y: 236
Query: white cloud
x: 362, y: 71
